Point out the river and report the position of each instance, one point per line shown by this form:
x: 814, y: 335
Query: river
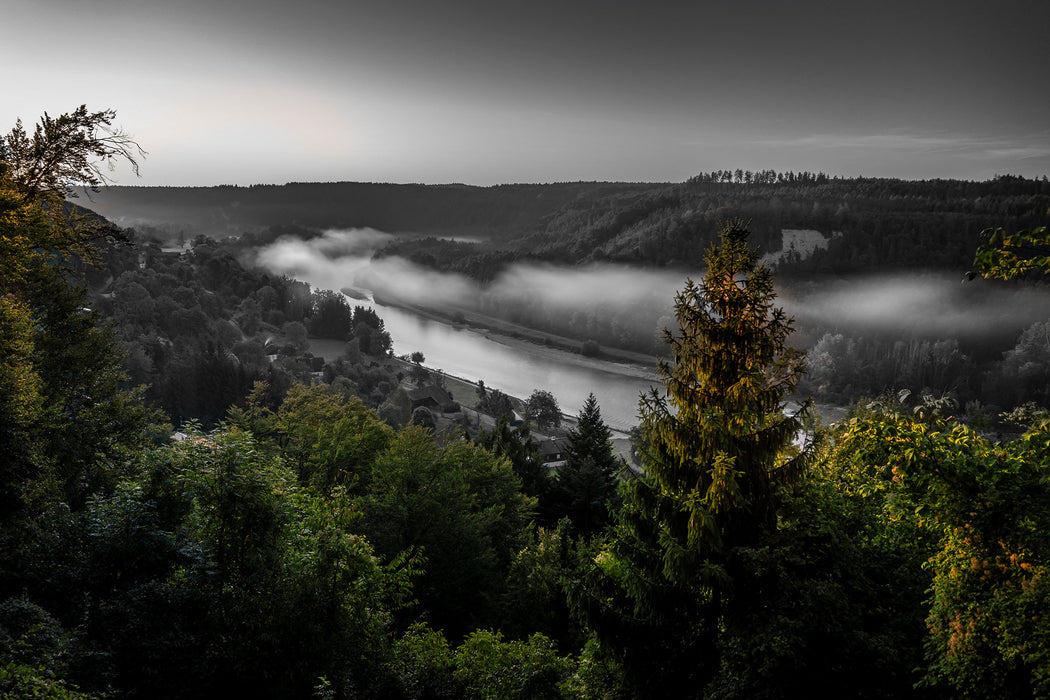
x: 515, y: 367
x: 518, y: 367
x: 342, y: 259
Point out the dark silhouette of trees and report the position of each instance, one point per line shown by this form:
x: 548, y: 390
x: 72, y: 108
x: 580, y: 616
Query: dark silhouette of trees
x: 65, y: 153
x: 370, y: 331
x: 517, y: 445
x: 63, y: 409
x: 584, y: 489
x: 331, y: 316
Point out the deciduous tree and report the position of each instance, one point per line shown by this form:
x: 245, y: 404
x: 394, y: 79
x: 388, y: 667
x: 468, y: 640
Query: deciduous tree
x: 64, y: 410
x: 1010, y: 256
x: 542, y: 407
x: 460, y: 509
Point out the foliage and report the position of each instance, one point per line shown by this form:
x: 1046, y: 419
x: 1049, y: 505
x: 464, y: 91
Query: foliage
x: 331, y: 316
x: 717, y: 442
x: 21, y: 682
x: 517, y: 445
x: 989, y: 507
x: 423, y: 418
x: 534, y: 599
x: 497, y: 404
x: 65, y: 413
x: 192, y: 577
x: 370, y: 330
x: 67, y: 152
x: 1012, y: 256
x: 838, y: 591
x: 34, y: 653
x: 330, y: 439
x: 425, y: 665
x: 21, y: 404
x: 492, y: 669
x: 483, y: 667
x: 456, y: 506
x: 1023, y: 376
x: 717, y: 446
x: 584, y: 489
x: 542, y: 407
x: 842, y: 366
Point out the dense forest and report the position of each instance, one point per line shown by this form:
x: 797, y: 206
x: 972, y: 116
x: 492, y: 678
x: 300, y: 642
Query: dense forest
x: 302, y: 535
x: 884, y: 224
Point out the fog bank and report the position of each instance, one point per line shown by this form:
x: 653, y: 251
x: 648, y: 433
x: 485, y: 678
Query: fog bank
x: 630, y: 305
x: 924, y: 304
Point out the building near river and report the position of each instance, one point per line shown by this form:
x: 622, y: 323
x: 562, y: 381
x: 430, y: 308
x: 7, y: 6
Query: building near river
x: 554, y: 453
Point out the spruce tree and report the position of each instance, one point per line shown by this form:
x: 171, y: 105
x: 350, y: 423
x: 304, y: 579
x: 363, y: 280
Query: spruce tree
x: 592, y: 438
x: 714, y: 447
x: 585, y: 488
x: 717, y: 441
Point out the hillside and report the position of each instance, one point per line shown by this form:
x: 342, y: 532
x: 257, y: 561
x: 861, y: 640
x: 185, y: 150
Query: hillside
x: 448, y: 210
x: 883, y: 224
x: 931, y: 224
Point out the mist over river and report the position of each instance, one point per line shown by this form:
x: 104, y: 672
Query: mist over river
x: 890, y: 306
x: 514, y: 367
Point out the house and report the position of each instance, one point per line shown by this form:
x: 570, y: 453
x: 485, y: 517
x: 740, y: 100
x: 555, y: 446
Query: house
x: 432, y: 397
x: 554, y: 453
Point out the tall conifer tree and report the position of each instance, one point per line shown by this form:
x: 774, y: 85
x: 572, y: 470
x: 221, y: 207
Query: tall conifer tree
x: 714, y: 447
x: 585, y: 488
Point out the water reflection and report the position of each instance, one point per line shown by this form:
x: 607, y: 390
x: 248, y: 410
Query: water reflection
x: 520, y: 367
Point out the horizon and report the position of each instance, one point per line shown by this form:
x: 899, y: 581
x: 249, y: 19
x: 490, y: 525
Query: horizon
x: 467, y: 92
x: 553, y: 183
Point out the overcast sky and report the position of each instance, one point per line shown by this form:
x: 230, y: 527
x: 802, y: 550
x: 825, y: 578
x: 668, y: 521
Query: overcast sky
x: 491, y: 91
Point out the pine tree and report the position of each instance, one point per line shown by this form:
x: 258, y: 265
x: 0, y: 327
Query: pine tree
x: 592, y: 438
x: 585, y: 487
x: 713, y: 449
x: 716, y: 442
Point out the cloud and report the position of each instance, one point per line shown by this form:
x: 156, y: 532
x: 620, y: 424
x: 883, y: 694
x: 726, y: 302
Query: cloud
x: 1020, y: 152
x: 1026, y: 147
x: 896, y: 141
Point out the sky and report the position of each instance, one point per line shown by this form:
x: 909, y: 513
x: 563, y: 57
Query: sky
x: 497, y: 91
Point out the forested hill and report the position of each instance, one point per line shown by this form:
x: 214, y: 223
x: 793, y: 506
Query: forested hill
x: 881, y: 222
x: 464, y: 210
x: 870, y: 223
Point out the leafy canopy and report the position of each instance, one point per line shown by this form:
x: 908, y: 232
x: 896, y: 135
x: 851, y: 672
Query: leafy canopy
x: 1010, y: 256
x: 67, y: 152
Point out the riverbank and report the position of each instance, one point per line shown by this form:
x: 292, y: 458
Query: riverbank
x: 516, y: 335
x: 465, y: 393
